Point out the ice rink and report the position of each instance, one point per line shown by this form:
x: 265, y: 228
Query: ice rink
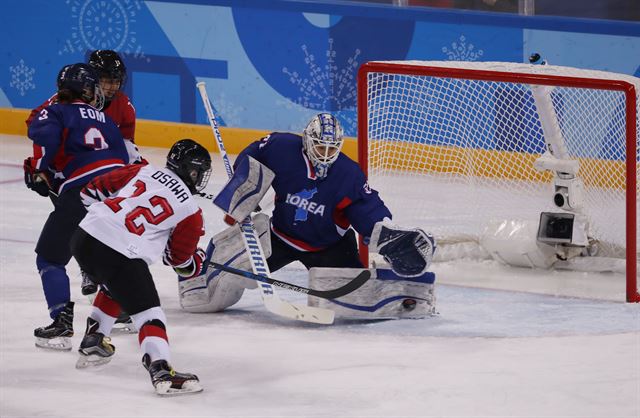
x: 490, y: 353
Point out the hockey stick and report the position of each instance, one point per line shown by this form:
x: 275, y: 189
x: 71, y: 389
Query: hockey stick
x: 354, y: 284
x: 271, y: 301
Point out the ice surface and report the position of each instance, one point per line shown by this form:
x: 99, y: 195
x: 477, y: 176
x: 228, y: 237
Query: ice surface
x: 488, y: 352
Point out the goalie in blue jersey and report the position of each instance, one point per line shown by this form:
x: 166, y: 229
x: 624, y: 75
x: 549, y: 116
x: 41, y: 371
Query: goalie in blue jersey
x: 319, y: 194
x: 321, y: 197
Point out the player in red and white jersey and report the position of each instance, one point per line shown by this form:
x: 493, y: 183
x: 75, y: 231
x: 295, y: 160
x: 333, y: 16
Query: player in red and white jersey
x: 148, y: 206
x: 136, y: 215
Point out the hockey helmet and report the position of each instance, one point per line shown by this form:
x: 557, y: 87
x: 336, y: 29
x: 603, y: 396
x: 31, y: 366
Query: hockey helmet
x: 191, y: 162
x: 82, y: 81
x: 60, y: 75
x: 108, y: 64
x: 322, y: 141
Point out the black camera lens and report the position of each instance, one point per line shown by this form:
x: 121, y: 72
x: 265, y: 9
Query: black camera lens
x: 559, y: 227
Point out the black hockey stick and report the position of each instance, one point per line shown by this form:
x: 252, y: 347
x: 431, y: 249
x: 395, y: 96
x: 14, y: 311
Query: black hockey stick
x: 354, y: 284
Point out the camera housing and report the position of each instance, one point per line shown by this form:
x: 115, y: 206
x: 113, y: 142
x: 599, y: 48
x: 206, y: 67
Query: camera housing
x: 563, y: 228
x: 568, y: 192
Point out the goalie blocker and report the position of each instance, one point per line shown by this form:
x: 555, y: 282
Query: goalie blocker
x: 384, y: 296
x: 244, y: 190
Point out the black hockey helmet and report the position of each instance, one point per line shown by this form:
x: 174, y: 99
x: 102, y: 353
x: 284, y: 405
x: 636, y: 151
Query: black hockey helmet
x: 61, y: 74
x: 191, y: 162
x: 82, y: 82
x: 108, y: 64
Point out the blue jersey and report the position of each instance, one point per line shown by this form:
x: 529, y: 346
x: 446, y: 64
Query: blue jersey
x: 312, y: 214
x: 77, y: 141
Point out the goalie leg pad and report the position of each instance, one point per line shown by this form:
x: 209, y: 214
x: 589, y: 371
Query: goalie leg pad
x: 208, y: 293
x: 214, y: 290
x: 409, y: 251
x: 244, y: 190
x: 385, y: 296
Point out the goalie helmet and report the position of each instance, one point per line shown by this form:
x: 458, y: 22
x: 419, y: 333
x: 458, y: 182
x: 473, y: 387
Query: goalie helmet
x: 80, y: 81
x: 191, y: 162
x: 108, y: 64
x: 322, y: 142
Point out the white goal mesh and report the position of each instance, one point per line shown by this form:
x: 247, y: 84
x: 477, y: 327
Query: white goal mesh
x: 450, y: 146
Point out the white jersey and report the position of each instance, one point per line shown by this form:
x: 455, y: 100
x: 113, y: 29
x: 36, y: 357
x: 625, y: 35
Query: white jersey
x: 142, y: 211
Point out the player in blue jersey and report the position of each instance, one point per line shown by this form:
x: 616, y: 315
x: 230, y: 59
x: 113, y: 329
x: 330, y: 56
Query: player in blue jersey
x: 320, y: 193
x: 73, y: 142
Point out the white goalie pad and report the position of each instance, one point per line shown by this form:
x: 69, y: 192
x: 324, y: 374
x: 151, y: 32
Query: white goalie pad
x: 244, y: 190
x: 384, y: 296
x: 215, y: 290
x: 408, y: 251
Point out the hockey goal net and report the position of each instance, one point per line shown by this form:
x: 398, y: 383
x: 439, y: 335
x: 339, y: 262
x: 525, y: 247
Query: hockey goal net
x: 451, y: 146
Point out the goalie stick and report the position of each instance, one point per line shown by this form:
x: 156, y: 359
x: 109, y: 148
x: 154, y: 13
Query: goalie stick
x: 271, y: 300
x: 354, y: 284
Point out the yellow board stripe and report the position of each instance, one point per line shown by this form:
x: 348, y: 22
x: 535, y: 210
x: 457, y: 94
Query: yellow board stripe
x: 426, y: 158
x: 486, y: 163
x: 163, y: 134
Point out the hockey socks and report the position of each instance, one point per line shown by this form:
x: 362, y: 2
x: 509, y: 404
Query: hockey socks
x: 55, y: 284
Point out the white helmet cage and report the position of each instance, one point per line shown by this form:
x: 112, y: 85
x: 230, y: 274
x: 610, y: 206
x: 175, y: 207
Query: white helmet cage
x: 322, y: 141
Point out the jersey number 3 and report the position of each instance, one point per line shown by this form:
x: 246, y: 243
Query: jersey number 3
x: 132, y: 216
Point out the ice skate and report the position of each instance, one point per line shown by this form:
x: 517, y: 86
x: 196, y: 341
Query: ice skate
x: 88, y: 287
x: 167, y: 381
x: 124, y: 324
x: 95, y: 349
x: 57, y: 336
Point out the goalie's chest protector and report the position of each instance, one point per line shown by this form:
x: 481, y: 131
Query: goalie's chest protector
x: 309, y: 209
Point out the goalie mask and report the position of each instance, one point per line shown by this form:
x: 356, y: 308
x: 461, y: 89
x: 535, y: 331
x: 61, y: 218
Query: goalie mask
x: 191, y: 162
x: 80, y: 81
x: 322, y: 142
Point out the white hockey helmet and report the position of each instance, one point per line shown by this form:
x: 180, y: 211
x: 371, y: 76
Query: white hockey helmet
x: 322, y: 141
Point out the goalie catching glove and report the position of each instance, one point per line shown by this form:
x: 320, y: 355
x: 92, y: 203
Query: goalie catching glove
x: 408, y: 251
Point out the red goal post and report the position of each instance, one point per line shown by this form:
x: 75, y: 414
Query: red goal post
x: 450, y: 146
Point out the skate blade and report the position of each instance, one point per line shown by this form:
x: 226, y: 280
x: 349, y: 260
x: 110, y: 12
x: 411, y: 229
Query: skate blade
x: 190, y: 386
x: 58, y: 343
x: 124, y: 329
x: 92, y: 360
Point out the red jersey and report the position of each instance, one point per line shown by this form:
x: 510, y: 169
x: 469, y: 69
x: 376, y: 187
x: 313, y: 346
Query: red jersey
x: 119, y: 109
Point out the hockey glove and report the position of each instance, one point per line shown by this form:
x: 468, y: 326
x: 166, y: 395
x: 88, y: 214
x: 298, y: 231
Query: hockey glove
x: 408, y: 250
x: 36, y: 180
x: 194, y: 267
x: 134, y: 153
